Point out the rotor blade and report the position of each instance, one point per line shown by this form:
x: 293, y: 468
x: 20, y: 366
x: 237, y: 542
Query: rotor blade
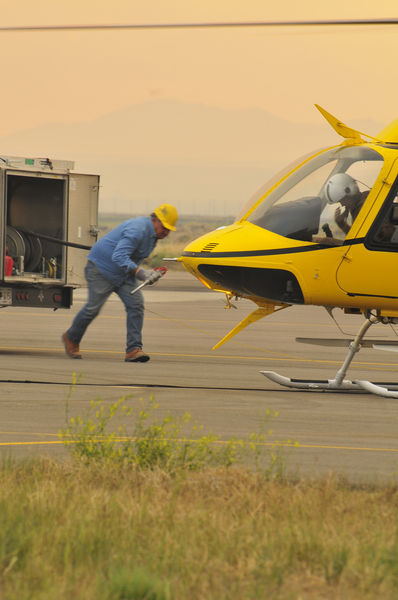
x: 201, y: 25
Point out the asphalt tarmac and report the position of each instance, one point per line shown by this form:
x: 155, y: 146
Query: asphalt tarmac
x: 351, y: 434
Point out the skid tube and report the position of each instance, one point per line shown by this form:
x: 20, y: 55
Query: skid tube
x: 339, y: 383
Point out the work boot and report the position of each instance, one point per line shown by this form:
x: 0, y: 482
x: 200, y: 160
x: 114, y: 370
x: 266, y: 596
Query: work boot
x: 136, y: 355
x: 71, y: 348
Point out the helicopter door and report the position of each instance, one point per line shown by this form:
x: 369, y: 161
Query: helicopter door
x: 370, y: 266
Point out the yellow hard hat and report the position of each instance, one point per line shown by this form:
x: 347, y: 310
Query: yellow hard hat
x: 167, y: 215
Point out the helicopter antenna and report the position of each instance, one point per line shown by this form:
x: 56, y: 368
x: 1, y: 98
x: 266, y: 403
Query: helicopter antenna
x: 329, y: 310
x: 202, y: 25
x: 393, y: 328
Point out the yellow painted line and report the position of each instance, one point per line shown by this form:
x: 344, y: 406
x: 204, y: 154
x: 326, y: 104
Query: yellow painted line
x: 271, y: 444
x: 27, y: 433
x: 361, y: 448
x: 111, y: 385
x: 212, y: 356
x: 122, y: 317
x: 277, y: 358
x: 31, y: 443
x: 315, y: 446
x: 122, y: 387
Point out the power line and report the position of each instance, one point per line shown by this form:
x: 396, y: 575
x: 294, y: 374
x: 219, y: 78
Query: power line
x: 200, y: 25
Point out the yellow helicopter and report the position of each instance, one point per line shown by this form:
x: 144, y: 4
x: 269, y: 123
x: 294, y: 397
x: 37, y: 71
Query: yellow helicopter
x: 323, y: 232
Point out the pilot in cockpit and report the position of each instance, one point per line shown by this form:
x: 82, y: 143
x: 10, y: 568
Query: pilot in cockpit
x: 343, y: 189
x: 340, y: 189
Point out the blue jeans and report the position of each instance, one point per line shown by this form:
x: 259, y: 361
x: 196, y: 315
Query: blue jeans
x: 99, y: 290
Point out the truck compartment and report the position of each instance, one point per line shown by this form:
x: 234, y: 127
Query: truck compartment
x: 35, y: 217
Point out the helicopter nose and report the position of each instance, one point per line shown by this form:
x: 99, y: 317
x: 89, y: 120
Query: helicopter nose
x: 228, y: 261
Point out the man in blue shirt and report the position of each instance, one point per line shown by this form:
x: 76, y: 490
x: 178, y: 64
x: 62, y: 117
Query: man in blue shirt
x: 114, y: 266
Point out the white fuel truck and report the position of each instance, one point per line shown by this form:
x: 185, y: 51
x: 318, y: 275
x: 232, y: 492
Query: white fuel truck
x: 48, y: 221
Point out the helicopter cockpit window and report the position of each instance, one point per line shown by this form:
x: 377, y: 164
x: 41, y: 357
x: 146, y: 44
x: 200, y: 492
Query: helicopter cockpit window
x: 384, y: 233
x: 321, y: 199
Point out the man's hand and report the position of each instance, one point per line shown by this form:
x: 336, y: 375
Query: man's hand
x: 142, y: 274
x: 150, y: 277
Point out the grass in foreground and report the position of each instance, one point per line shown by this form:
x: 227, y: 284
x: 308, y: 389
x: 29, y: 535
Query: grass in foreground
x: 153, y: 515
x: 113, y: 531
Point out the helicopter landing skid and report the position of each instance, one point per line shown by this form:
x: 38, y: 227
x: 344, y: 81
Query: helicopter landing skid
x: 312, y: 384
x: 388, y: 390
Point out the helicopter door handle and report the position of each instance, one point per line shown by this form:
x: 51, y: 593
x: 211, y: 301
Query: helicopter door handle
x: 389, y: 179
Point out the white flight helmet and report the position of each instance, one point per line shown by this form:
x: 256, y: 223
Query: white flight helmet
x: 340, y: 186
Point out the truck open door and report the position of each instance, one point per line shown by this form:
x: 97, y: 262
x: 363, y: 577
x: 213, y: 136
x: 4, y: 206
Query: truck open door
x: 82, y: 224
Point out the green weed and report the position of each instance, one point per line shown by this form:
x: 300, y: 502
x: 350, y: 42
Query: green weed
x: 137, y: 584
x: 124, y: 433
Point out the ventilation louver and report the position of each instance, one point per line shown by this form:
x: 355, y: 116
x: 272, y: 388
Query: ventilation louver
x: 209, y: 247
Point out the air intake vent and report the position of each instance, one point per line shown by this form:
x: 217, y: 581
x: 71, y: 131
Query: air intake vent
x: 210, y: 247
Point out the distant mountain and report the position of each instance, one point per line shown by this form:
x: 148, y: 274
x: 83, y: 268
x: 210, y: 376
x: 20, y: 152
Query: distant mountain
x: 203, y: 158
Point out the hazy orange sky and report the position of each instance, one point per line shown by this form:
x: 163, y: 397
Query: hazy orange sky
x: 77, y: 76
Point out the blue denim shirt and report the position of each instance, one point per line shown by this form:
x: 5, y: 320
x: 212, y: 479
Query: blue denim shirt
x: 121, y: 250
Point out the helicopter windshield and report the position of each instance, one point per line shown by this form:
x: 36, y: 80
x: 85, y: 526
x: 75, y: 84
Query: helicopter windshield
x: 322, y: 198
